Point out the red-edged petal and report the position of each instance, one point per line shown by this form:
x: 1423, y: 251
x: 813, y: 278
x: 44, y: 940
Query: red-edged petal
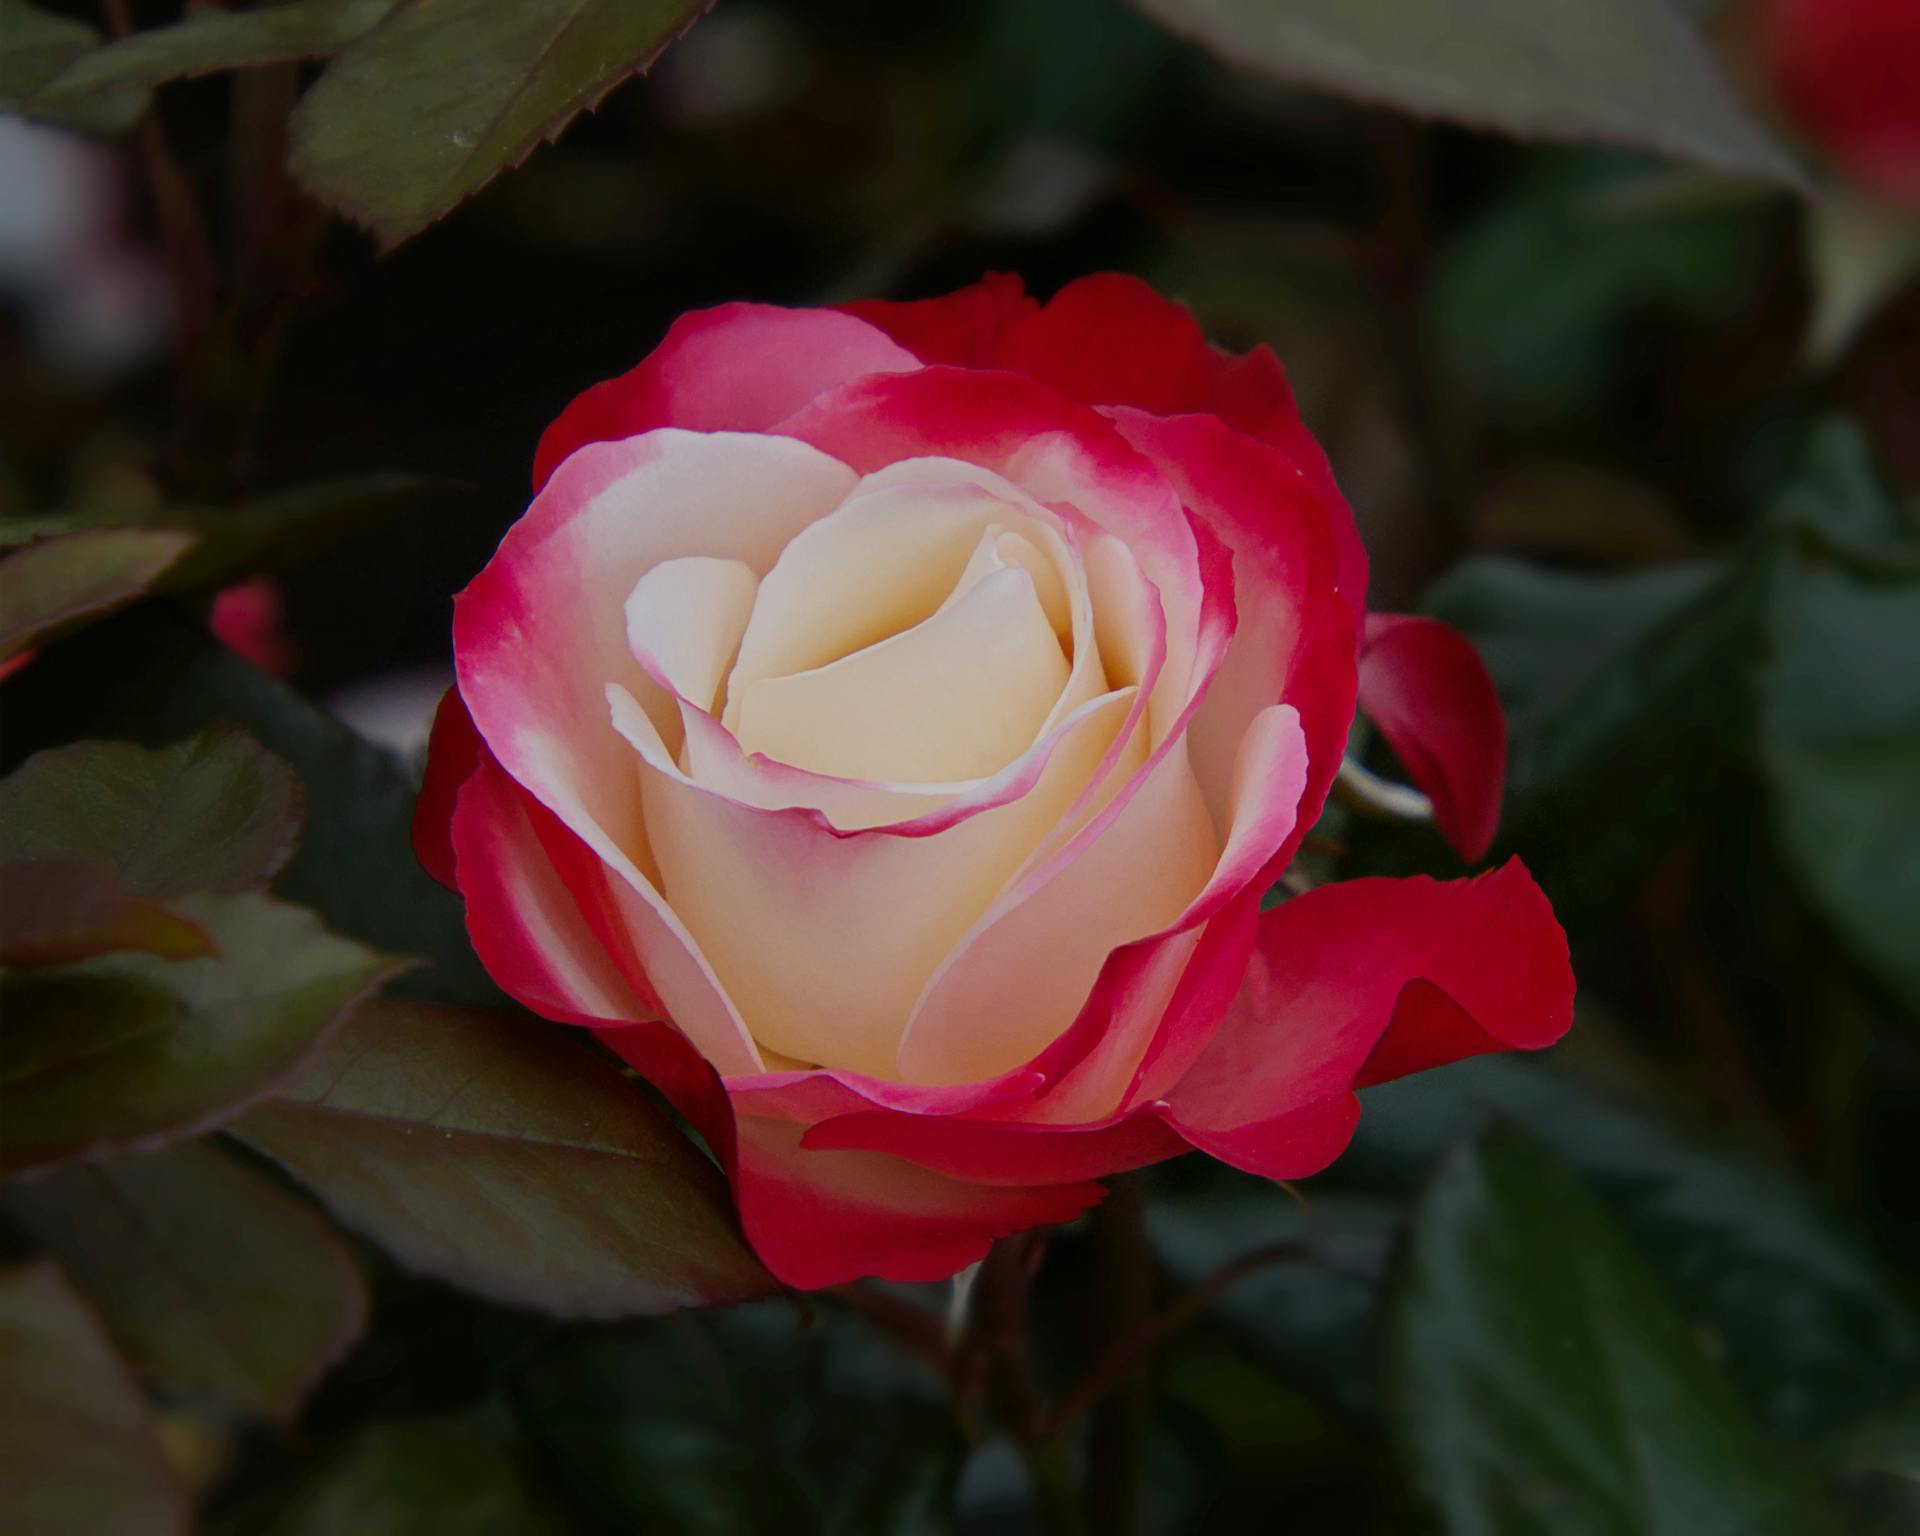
x: 526, y: 923
x: 1358, y: 982
x: 739, y: 367
x: 820, y: 1218
x: 1295, y: 639
x: 1110, y: 340
x: 964, y: 327
x: 1003, y: 1152
x: 453, y: 752
x: 1424, y: 685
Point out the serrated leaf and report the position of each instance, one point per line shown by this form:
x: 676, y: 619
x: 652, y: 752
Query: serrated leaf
x: 270, y: 533
x: 498, y: 1152
x: 152, y: 676
x: 34, y: 48
x: 1628, y: 743
x: 55, y: 911
x: 1544, y: 1382
x: 79, y: 1454
x: 215, y: 812
x: 1626, y: 72
x: 205, y: 41
x: 128, y: 1052
x: 1773, y: 1278
x: 444, y: 94
x: 213, y: 1282
x: 54, y: 585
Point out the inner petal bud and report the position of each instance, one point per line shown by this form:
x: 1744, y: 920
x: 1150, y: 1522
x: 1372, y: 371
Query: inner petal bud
x: 956, y: 697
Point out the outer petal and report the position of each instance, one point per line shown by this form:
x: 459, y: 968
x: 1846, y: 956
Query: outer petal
x: 1295, y: 638
x: 526, y: 923
x: 453, y: 752
x: 1111, y: 340
x: 736, y: 368
x: 828, y: 1217
x: 1425, y: 686
x: 963, y: 328
x: 1357, y: 982
x: 541, y: 632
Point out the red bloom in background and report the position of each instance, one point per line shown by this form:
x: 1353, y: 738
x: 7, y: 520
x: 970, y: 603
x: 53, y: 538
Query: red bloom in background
x: 882, y: 729
x: 1849, y: 73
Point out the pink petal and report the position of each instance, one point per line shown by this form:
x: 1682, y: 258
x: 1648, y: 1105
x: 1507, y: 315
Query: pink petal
x: 1361, y: 981
x: 453, y: 752
x: 738, y: 368
x: 828, y: 1217
x: 1426, y: 688
x: 1295, y: 637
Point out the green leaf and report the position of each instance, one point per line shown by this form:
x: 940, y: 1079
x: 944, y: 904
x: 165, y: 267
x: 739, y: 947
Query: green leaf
x: 1813, y: 1331
x: 34, y: 48
x: 508, y: 1156
x: 271, y: 533
x: 52, y: 586
x: 53, y: 911
x: 216, y: 812
x: 151, y: 676
x: 410, y: 1476
x: 439, y: 98
x: 1612, y: 71
x: 1544, y: 1382
x: 1545, y: 634
x: 79, y: 1455
x: 1539, y: 303
x: 756, y: 1420
x: 1841, y: 725
x: 128, y: 1052
x: 213, y: 1282
x: 1625, y: 743
x: 208, y: 40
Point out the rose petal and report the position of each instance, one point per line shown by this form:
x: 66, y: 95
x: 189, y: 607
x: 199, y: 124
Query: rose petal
x: 1424, y: 685
x: 1363, y: 980
x: 685, y: 618
x: 734, y: 368
x: 825, y: 939
x: 541, y: 631
x: 453, y: 752
x: 957, y: 697
x: 1294, y: 640
x: 963, y: 328
x: 526, y: 926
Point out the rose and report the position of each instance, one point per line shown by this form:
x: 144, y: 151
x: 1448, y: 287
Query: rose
x: 882, y: 728
x: 1846, y: 71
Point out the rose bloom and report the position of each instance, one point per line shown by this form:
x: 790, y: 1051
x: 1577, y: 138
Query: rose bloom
x: 1849, y: 73
x: 882, y: 728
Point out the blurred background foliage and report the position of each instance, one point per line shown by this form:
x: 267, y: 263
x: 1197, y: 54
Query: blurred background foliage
x: 1626, y: 420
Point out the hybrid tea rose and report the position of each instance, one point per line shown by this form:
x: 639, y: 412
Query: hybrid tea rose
x: 882, y: 727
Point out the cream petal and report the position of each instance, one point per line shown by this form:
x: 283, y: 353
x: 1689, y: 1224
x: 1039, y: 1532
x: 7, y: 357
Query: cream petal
x: 956, y: 697
x: 1019, y: 977
x: 541, y: 631
x: 881, y: 563
x: 684, y: 622
x: 823, y: 939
